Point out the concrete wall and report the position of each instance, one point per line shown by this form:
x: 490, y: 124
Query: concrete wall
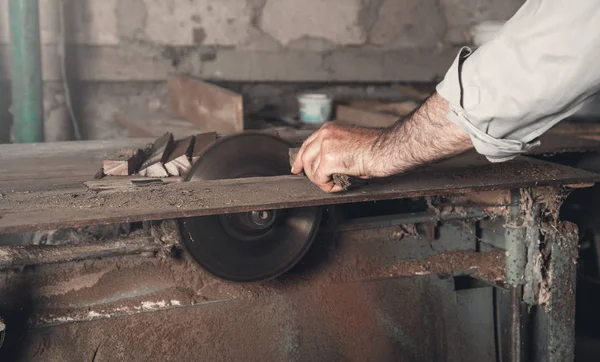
x: 139, y: 41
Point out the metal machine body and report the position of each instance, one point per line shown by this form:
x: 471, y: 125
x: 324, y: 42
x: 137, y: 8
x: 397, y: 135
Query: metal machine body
x: 250, y: 246
x: 452, y: 275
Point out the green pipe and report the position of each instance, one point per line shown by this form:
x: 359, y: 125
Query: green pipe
x: 26, y: 69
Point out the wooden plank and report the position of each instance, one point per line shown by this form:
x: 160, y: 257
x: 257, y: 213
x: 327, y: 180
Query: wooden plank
x: 87, y: 149
x: 178, y: 163
x: 201, y: 142
x: 124, y: 163
x: 66, y: 165
x: 146, y: 124
x: 208, y: 106
x: 56, y: 209
x: 153, y: 166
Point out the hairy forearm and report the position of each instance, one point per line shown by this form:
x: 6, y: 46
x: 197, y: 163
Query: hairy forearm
x: 424, y: 137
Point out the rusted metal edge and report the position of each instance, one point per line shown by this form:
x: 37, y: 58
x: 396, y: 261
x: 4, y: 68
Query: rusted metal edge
x: 21, y: 256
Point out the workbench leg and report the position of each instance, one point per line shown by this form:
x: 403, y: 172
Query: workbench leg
x: 554, y: 338
x: 516, y: 232
x: 540, y: 273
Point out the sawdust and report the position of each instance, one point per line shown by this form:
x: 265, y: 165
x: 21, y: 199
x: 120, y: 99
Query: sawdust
x: 77, y: 283
x: 487, y: 266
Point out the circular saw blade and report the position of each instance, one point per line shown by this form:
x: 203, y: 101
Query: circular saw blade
x: 248, y: 247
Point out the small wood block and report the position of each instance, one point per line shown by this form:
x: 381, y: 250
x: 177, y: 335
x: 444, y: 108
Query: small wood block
x: 344, y: 181
x: 124, y: 163
x: 178, y: 163
x: 161, y: 149
x: 201, y: 142
x: 208, y: 106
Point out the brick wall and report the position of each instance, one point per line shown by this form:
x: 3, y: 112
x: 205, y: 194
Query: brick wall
x: 245, y: 40
x: 120, y: 51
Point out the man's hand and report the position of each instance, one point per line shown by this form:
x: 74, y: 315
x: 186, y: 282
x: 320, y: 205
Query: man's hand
x: 425, y: 136
x: 339, y: 149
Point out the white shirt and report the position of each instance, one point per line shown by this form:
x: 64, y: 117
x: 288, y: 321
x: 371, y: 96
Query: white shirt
x: 539, y: 69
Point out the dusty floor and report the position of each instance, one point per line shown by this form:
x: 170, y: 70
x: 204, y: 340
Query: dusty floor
x: 407, y: 319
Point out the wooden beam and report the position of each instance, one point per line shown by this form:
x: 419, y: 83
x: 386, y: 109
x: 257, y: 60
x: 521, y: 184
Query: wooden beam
x: 124, y: 163
x: 153, y: 166
x: 178, y: 163
x: 210, y: 107
x: 66, y: 208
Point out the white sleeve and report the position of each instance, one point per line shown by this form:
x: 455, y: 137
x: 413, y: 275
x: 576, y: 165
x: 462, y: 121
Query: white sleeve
x: 536, y: 71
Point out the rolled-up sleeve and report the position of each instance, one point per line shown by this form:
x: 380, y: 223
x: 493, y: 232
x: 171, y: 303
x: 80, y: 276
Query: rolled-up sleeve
x: 538, y: 70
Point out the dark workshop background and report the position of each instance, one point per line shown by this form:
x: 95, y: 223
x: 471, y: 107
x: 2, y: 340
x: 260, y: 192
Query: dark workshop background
x: 119, y: 52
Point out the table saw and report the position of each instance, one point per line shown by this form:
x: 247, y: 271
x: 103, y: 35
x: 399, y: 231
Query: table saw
x: 459, y: 261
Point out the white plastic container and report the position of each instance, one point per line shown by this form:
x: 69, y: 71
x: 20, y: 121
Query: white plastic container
x: 315, y: 108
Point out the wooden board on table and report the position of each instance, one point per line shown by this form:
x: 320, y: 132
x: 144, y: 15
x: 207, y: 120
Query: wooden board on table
x: 56, y: 165
x: 55, y: 209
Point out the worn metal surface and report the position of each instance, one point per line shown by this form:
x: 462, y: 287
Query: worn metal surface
x: 99, y: 288
x: 515, y: 231
x: 368, y: 253
x: 555, y: 143
x: 555, y: 321
x: 28, y: 255
x: 347, y: 321
x: 349, y: 299
x: 73, y: 208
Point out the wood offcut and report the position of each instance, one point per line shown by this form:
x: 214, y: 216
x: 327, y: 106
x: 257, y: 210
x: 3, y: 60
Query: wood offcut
x: 178, y: 163
x: 154, y: 164
x: 124, y: 163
